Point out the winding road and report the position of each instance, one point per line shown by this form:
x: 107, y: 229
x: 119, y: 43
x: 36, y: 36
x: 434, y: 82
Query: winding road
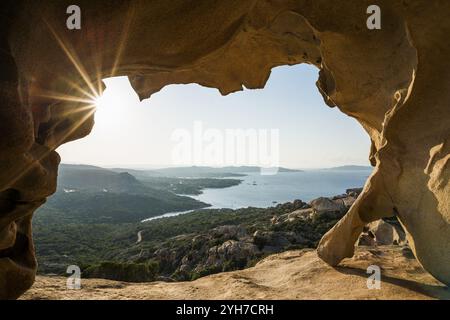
x: 139, y: 237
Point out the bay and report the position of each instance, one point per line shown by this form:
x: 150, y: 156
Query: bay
x: 267, y: 190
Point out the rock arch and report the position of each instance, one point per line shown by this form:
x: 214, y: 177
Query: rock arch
x: 394, y: 81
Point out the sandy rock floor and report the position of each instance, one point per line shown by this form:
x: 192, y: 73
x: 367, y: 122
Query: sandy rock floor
x: 296, y: 274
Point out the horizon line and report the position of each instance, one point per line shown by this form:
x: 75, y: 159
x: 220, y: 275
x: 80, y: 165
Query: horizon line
x: 156, y: 167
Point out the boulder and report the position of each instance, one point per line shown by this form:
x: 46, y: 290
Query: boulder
x: 327, y: 206
x: 229, y: 232
x: 386, y: 234
x: 354, y: 192
x: 230, y: 251
x: 270, y: 238
x: 302, y: 214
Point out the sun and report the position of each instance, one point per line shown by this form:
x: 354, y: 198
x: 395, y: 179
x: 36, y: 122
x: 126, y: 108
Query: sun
x: 107, y: 110
x: 115, y: 105
x: 100, y: 102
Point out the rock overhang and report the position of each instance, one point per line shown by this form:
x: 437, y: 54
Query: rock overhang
x: 391, y: 80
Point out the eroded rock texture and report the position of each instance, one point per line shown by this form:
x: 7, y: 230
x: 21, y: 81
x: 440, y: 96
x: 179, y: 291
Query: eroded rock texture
x: 394, y: 81
x: 292, y: 275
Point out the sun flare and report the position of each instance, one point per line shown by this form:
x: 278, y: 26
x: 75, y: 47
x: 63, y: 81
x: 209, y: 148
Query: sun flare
x: 99, y: 102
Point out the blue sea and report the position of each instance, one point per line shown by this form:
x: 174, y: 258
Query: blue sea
x: 264, y: 191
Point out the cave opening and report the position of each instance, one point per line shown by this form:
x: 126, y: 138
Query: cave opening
x: 389, y: 79
x: 96, y: 213
x: 313, y: 135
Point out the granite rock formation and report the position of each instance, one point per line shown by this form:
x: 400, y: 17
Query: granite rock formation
x: 394, y: 81
x: 296, y: 274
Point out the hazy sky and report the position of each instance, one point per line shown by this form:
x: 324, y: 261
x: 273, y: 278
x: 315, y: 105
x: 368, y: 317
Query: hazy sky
x: 141, y: 134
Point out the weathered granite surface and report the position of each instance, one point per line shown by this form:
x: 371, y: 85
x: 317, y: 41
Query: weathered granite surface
x: 394, y: 81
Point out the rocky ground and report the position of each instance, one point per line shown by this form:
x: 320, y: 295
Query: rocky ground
x: 238, y: 240
x: 297, y: 274
x: 288, y: 226
x: 279, y: 242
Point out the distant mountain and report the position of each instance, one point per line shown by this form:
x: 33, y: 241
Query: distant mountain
x: 139, y: 173
x: 89, y: 194
x: 252, y: 169
x: 90, y: 178
x: 352, y: 167
x: 204, y: 171
x: 181, y: 172
x: 96, y: 179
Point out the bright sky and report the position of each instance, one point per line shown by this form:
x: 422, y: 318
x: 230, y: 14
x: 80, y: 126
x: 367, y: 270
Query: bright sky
x: 140, y: 134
